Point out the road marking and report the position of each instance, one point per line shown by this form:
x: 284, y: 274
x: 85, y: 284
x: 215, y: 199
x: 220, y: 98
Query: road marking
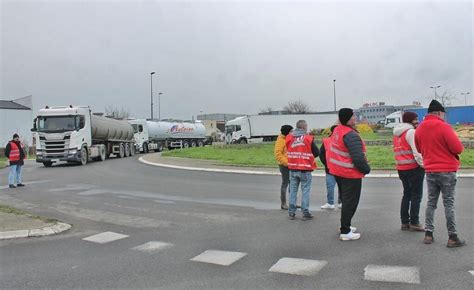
x: 302, y: 267
x: 472, y: 272
x: 222, y: 258
x: 392, y: 274
x: 153, y: 246
x: 105, y: 237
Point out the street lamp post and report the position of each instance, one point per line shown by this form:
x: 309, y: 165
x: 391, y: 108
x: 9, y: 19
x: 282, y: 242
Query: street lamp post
x: 334, y: 85
x: 435, y: 95
x: 159, y: 106
x: 465, y: 99
x: 151, y: 93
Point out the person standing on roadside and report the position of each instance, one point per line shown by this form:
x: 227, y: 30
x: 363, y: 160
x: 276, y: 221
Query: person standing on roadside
x: 440, y: 147
x: 348, y: 163
x: 330, y: 179
x: 409, y: 164
x: 301, y: 153
x: 15, y: 154
x: 282, y: 159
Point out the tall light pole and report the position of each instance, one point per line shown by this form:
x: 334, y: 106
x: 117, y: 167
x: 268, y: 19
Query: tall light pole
x: 151, y: 93
x: 435, y: 87
x: 159, y: 106
x: 334, y: 85
x: 465, y: 99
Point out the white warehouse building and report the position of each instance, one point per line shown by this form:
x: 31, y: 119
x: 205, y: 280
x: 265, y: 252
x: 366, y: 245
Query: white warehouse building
x: 16, y: 116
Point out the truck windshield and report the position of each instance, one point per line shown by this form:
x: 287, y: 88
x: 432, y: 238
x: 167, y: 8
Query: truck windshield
x: 391, y: 120
x: 59, y: 123
x: 232, y: 128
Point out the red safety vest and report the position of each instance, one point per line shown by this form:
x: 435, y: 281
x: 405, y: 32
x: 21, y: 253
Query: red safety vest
x: 300, y: 155
x: 404, y: 158
x: 338, y: 158
x: 14, y: 152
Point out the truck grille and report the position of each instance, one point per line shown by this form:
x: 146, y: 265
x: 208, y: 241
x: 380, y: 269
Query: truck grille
x: 55, y: 148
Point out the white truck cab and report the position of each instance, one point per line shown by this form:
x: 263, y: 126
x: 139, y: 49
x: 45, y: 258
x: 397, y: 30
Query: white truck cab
x: 393, y: 119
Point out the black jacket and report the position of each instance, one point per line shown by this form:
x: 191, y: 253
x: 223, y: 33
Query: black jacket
x: 322, y: 157
x: 354, y: 145
x: 22, y: 153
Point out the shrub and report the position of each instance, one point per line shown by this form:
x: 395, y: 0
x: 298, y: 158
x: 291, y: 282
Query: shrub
x: 364, y: 129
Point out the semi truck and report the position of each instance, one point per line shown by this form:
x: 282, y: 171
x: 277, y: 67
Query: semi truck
x: 263, y: 128
x: 75, y: 135
x: 454, y: 115
x: 152, y: 135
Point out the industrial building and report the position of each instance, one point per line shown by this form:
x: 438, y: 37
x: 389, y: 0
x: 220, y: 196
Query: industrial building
x: 16, y: 116
x: 373, y: 113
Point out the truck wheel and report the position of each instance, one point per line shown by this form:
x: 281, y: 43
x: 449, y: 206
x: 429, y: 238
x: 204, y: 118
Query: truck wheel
x: 185, y: 144
x: 84, y: 156
x: 127, y: 150
x: 102, y: 153
x: 47, y: 164
x: 121, y: 151
x: 193, y: 144
x: 200, y: 143
x: 243, y: 141
x: 132, y: 150
x: 145, y: 148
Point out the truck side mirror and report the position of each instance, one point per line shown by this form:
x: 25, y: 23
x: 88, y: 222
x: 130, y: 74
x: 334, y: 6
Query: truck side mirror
x: 34, y: 129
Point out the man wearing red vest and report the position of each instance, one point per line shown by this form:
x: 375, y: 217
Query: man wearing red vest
x: 347, y: 161
x: 15, y: 154
x: 301, y: 151
x: 409, y: 163
x: 440, y: 147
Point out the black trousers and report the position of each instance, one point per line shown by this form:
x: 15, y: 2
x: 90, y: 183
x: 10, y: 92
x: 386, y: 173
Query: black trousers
x: 285, y: 181
x: 350, y: 195
x: 412, y: 181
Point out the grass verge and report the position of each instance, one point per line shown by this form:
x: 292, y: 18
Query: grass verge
x: 11, y: 210
x: 261, y: 155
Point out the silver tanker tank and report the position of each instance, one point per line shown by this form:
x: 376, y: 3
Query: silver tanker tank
x: 110, y: 129
x: 161, y: 130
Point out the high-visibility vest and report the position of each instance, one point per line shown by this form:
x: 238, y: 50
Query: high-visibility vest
x: 338, y: 158
x: 300, y: 155
x: 404, y: 158
x: 14, y: 152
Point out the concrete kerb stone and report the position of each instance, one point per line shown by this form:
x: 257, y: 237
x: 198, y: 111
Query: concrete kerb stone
x: 56, y: 228
x: 259, y: 172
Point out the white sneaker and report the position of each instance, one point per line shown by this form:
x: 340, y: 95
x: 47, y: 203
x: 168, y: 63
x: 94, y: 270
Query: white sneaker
x: 328, y: 206
x: 339, y: 205
x: 351, y: 236
x: 353, y: 229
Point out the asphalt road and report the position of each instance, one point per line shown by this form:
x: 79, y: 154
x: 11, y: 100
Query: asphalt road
x: 197, y: 211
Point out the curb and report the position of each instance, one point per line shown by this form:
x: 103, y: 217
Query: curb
x: 252, y: 172
x: 46, y: 231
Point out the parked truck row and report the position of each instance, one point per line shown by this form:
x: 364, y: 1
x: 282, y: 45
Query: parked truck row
x: 75, y: 135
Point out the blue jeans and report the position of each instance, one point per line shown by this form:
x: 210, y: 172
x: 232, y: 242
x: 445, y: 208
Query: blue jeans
x: 15, y: 174
x: 330, y: 185
x: 296, y: 178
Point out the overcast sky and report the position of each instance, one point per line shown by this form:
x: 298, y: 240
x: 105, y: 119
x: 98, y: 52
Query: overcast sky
x: 233, y: 57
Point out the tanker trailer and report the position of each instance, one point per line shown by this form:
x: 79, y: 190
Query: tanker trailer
x: 75, y: 135
x: 156, y: 135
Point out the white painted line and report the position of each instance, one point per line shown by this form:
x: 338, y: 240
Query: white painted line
x: 153, y: 246
x: 222, y: 258
x: 472, y: 272
x: 302, y: 267
x: 392, y: 274
x: 13, y: 234
x: 105, y: 237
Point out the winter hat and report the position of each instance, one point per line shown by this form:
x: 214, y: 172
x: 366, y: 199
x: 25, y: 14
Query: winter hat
x: 15, y: 136
x: 285, y: 129
x: 435, y: 106
x: 408, y: 117
x: 345, y: 114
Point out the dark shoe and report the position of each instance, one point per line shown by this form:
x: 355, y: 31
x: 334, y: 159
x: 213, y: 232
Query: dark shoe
x: 428, y: 238
x: 405, y: 227
x: 291, y: 216
x: 298, y: 206
x: 417, y: 228
x: 455, y: 242
x: 307, y: 217
x: 284, y: 206
x: 12, y: 186
x: 20, y: 185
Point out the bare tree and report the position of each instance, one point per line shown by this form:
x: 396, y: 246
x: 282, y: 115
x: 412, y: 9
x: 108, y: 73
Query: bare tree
x: 298, y: 107
x: 116, y: 113
x: 446, y: 97
x: 266, y: 110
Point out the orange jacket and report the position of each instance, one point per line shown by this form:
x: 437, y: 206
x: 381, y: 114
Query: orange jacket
x: 281, y: 155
